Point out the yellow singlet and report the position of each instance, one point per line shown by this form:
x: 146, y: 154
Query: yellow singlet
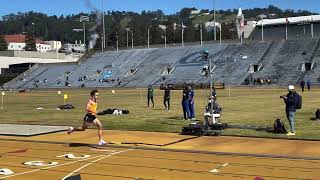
x: 92, y: 107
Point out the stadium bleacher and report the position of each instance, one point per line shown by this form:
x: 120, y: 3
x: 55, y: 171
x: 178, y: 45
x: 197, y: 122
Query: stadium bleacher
x: 281, y: 61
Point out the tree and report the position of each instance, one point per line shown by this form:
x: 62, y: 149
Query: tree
x: 30, y: 43
x: 3, y: 44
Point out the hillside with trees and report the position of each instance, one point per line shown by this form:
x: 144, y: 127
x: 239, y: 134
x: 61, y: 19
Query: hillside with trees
x: 61, y: 28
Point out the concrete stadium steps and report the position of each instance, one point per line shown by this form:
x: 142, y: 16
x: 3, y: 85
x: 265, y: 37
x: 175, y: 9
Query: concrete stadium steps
x: 188, y: 68
x: 284, y: 61
x: 91, y: 67
x: 120, y: 66
x: 28, y: 81
x: 150, y: 70
x: 289, y: 71
x: 233, y: 65
x: 14, y: 83
x: 267, y: 62
x: 52, y: 75
x: 314, y: 61
x: 281, y: 60
x: 182, y: 74
x: 314, y: 74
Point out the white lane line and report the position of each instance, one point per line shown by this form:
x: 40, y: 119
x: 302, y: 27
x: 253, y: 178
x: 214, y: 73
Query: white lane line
x: 27, y: 172
x: 217, y: 170
x: 102, y: 150
x: 104, y: 156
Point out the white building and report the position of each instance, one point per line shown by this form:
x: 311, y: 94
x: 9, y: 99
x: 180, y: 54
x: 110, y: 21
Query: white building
x: 195, y: 12
x: 54, y: 45
x: 211, y: 24
x: 289, y: 20
x: 18, y: 43
x: 75, y: 47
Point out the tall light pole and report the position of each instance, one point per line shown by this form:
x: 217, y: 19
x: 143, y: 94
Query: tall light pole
x: 103, y: 28
x: 148, y: 38
x: 128, y: 30
x: 182, y: 34
x: 117, y: 41
x: 220, y: 33
x: 165, y: 37
x: 201, y: 34
x: 132, y: 39
x: 214, y: 21
x: 84, y: 19
x: 262, y: 35
x: 262, y: 39
x: 311, y: 27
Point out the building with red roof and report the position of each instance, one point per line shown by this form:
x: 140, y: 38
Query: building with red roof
x: 17, y: 42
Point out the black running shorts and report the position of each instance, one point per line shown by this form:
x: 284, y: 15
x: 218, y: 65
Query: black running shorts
x: 89, y: 118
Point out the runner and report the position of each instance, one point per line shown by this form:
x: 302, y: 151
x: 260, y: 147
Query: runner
x: 90, y: 117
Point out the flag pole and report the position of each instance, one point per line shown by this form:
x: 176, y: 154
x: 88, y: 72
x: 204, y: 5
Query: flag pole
x: 311, y: 27
x: 262, y: 39
x: 182, y: 32
x: 286, y: 31
x: 287, y: 28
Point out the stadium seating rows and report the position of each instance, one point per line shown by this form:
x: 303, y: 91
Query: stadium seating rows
x: 280, y: 61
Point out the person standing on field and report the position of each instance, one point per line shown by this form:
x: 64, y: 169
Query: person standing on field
x: 302, y: 84
x: 166, y: 98
x: 150, y: 95
x: 291, y: 99
x: 191, y: 102
x: 185, y: 103
x: 309, y: 85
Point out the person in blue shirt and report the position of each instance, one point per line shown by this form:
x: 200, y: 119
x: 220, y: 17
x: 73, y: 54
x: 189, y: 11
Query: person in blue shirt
x: 191, y: 102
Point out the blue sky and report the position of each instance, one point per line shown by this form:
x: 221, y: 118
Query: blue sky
x: 59, y: 7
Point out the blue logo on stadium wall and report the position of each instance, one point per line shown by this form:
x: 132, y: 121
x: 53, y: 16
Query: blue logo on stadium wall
x: 107, y: 74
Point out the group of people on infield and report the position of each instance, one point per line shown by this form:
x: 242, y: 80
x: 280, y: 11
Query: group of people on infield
x: 291, y: 100
x: 187, y: 100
